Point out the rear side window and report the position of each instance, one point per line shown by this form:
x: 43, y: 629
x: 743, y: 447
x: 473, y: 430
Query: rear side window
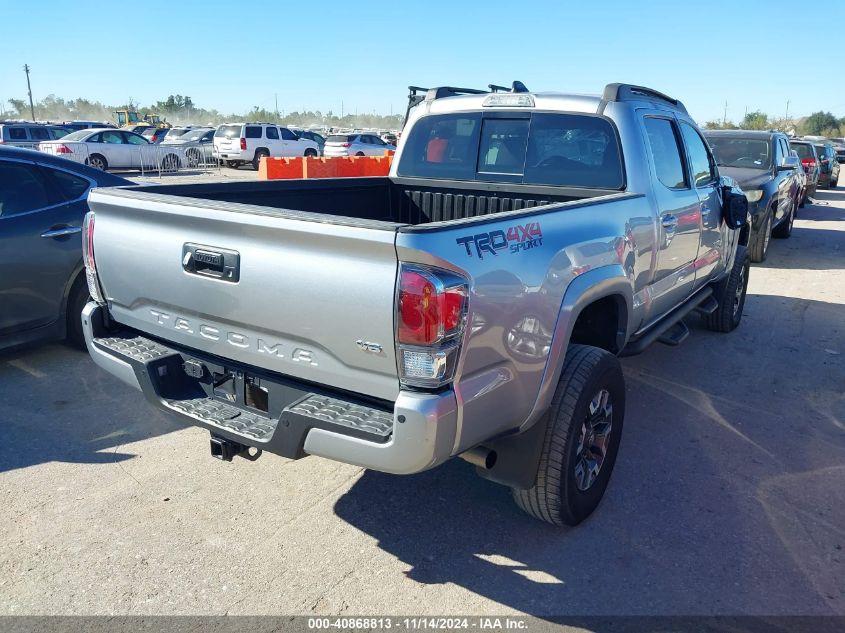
x: 17, y: 133
x: 39, y: 133
x: 228, y: 131
x: 821, y: 150
x: 70, y: 186
x: 666, y: 151
x: 23, y: 188
x: 273, y: 133
x: 252, y: 131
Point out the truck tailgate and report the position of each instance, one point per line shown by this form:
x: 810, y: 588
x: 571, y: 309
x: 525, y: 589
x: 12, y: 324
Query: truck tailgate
x: 306, y: 293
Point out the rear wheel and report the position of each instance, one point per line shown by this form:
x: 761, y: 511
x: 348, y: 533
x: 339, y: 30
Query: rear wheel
x: 98, y: 161
x: 259, y: 154
x: 360, y: 154
x: 760, y: 245
x: 311, y: 152
x: 582, y: 439
x: 730, y: 293
x: 232, y: 164
x: 77, y: 298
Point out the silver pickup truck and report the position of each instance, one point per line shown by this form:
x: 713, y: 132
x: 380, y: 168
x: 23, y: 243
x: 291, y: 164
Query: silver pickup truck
x: 472, y: 304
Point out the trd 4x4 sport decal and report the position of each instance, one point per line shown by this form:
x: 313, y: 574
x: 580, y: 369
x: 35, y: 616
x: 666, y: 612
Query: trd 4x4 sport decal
x: 518, y: 238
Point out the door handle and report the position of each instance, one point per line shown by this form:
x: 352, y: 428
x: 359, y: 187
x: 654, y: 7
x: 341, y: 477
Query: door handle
x: 61, y: 231
x: 670, y: 222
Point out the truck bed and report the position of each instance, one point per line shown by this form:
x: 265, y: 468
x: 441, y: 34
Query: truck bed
x: 386, y: 200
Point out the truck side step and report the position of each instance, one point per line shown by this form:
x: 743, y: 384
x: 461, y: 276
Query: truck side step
x: 657, y: 331
x: 675, y: 335
x: 708, y: 306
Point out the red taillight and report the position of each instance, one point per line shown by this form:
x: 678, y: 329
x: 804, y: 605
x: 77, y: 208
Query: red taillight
x: 88, y: 258
x: 344, y: 144
x: 63, y: 149
x: 243, y: 143
x: 429, y: 311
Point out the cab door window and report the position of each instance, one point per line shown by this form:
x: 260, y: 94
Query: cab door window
x: 701, y: 163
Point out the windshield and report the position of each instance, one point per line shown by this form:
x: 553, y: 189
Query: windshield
x: 193, y: 135
x: 572, y: 150
x: 228, y: 131
x: 750, y: 153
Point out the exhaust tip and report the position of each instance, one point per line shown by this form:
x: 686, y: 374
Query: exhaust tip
x: 481, y: 457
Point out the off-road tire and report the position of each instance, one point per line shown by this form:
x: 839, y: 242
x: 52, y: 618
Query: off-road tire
x: 256, y: 160
x: 555, y: 496
x: 729, y: 313
x: 759, y: 246
x: 76, y: 300
x: 783, y: 230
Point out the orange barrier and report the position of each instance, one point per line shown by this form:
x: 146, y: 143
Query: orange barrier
x: 280, y: 168
x: 334, y: 167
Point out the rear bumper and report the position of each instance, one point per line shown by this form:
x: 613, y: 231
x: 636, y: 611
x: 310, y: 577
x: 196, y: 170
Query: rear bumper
x: 416, y: 433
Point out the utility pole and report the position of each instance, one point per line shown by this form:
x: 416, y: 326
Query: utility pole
x: 29, y: 91
x: 786, y: 116
x: 341, y: 108
x: 724, y: 117
x: 277, y: 105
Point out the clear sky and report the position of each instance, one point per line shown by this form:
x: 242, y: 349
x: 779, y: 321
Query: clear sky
x: 233, y: 55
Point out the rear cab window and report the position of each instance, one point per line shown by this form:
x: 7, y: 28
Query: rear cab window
x: 556, y: 149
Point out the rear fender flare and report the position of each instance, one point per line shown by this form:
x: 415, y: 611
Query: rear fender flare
x: 582, y: 291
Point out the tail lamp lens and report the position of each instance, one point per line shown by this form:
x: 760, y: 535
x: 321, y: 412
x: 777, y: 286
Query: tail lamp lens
x: 88, y: 259
x: 431, y: 313
x: 243, y: 143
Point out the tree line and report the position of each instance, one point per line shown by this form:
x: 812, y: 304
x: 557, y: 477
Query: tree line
x: 179, y: 109
x: 817, y: 124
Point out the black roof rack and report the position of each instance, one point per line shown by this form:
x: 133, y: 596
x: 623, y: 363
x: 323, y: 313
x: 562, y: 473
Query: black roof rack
x: 417, y: 95
x: 630, y: 92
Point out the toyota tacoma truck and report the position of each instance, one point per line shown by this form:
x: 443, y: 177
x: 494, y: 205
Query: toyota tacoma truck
x: 473, y: 303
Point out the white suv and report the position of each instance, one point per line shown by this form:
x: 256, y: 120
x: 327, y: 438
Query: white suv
x: 239, y: 143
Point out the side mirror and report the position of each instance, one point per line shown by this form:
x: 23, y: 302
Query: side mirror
x: 789, y: 163
x: 734, y: 208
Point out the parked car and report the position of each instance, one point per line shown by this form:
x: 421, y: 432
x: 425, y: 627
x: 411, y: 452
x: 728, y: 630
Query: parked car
x: 75, y: 126
x: 28, y: 135
x: 312, y: 136
x: 801, y: 177
x: 240, y: 143
x: 196, y: 143
x: 42, y: 205
x: 521, y: 242
x: 356, y: 145
x: 762, y: 165
x: 828, y: 165
x: 810, y: 162
x: 111, y: 149
x: 839, y: 146
x: 155, y: 135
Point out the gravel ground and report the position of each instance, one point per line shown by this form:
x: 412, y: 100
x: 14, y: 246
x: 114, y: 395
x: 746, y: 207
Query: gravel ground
x: 728, y: 496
